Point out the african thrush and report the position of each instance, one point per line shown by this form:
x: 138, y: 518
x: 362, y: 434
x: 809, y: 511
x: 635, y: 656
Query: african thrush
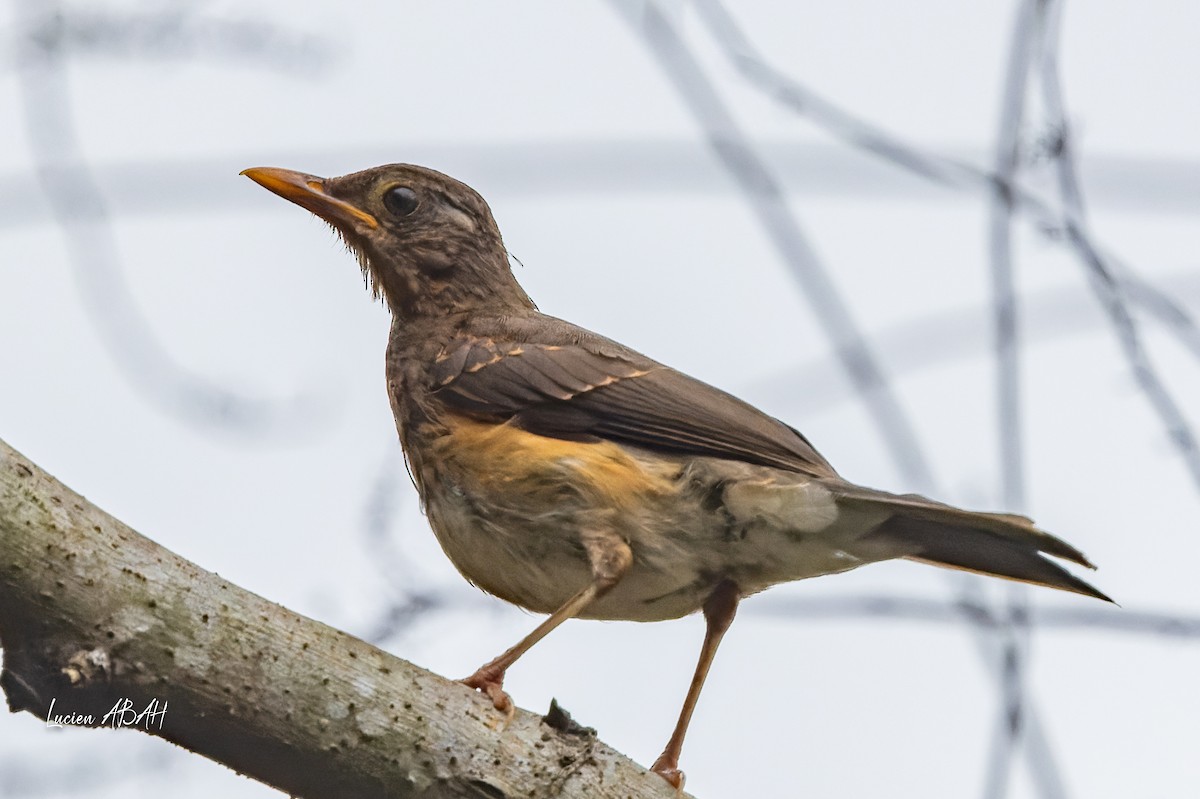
x: 571, y: 475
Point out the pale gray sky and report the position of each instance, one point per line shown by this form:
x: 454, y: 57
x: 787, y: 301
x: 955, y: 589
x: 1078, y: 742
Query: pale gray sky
x: 122, y: 331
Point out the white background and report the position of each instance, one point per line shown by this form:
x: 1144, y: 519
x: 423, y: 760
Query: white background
x: 625, y: 223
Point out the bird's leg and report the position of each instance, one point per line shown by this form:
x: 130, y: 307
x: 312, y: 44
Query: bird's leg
x: 719, y: 610
x: 609, y: 557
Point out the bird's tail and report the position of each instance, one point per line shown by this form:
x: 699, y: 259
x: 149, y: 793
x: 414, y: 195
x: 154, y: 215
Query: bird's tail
x: 998, y: 544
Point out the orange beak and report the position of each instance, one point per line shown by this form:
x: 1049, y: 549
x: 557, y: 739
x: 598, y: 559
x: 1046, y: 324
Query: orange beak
x: 308, y: 191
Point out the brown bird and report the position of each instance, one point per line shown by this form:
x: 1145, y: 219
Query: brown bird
x: 571, y: 475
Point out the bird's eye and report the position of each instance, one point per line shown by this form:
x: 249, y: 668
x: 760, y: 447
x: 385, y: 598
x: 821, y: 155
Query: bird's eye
x: 401, y: 200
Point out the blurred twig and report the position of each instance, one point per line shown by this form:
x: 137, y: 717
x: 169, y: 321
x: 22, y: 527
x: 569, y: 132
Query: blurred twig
x: 1073, y: 618
x: 1068, y: 216
x: 1027, y: 30
x: 579, y: 167
x: 180, y: 32
x: 1103, y: 281
x: 763, y: 193
x: 935, y: 339
x: 1068, y: 617
x: 409, y: 598
x: 80, y: 211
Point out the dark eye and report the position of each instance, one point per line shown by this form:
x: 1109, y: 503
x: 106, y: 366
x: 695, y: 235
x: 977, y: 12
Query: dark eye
x: 401, y: 200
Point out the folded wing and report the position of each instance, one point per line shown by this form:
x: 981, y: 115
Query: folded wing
x: 582, y: 390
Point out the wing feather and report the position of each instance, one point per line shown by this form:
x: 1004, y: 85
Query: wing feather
x: 576, y: 390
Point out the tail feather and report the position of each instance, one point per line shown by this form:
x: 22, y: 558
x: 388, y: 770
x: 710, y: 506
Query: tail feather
x: 975, y: 550
x: 996, y: 544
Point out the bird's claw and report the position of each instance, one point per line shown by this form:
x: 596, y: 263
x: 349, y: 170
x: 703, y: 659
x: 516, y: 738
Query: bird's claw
x: 491, y: 682
x: 668, y: 769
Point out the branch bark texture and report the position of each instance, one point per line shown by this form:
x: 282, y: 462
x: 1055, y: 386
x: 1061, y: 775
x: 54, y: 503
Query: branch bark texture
x: 92, y: 615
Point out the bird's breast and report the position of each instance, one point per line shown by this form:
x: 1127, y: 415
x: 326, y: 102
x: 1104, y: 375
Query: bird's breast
x: 509, y: 507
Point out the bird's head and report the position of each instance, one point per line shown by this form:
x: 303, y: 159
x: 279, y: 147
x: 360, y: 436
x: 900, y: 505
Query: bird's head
x: 427, y: 243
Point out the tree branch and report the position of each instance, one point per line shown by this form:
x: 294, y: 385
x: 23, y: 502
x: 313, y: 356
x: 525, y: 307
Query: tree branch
x: 93, y: 614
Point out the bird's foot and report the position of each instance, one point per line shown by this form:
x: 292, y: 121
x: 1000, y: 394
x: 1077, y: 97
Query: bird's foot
x: 490, y: 681
x: 668, y: 768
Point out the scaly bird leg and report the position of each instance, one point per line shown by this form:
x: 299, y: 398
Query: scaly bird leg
x: 719, y: 610
x: 610, y: 557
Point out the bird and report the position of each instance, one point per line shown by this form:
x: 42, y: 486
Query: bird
x: 573, y: 476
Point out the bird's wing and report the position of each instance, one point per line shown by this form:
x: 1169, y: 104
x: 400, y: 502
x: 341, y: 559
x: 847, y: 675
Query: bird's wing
x: 592, y: 388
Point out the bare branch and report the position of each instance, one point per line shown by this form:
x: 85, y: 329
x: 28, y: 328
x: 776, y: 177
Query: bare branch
x: 93, y: 614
